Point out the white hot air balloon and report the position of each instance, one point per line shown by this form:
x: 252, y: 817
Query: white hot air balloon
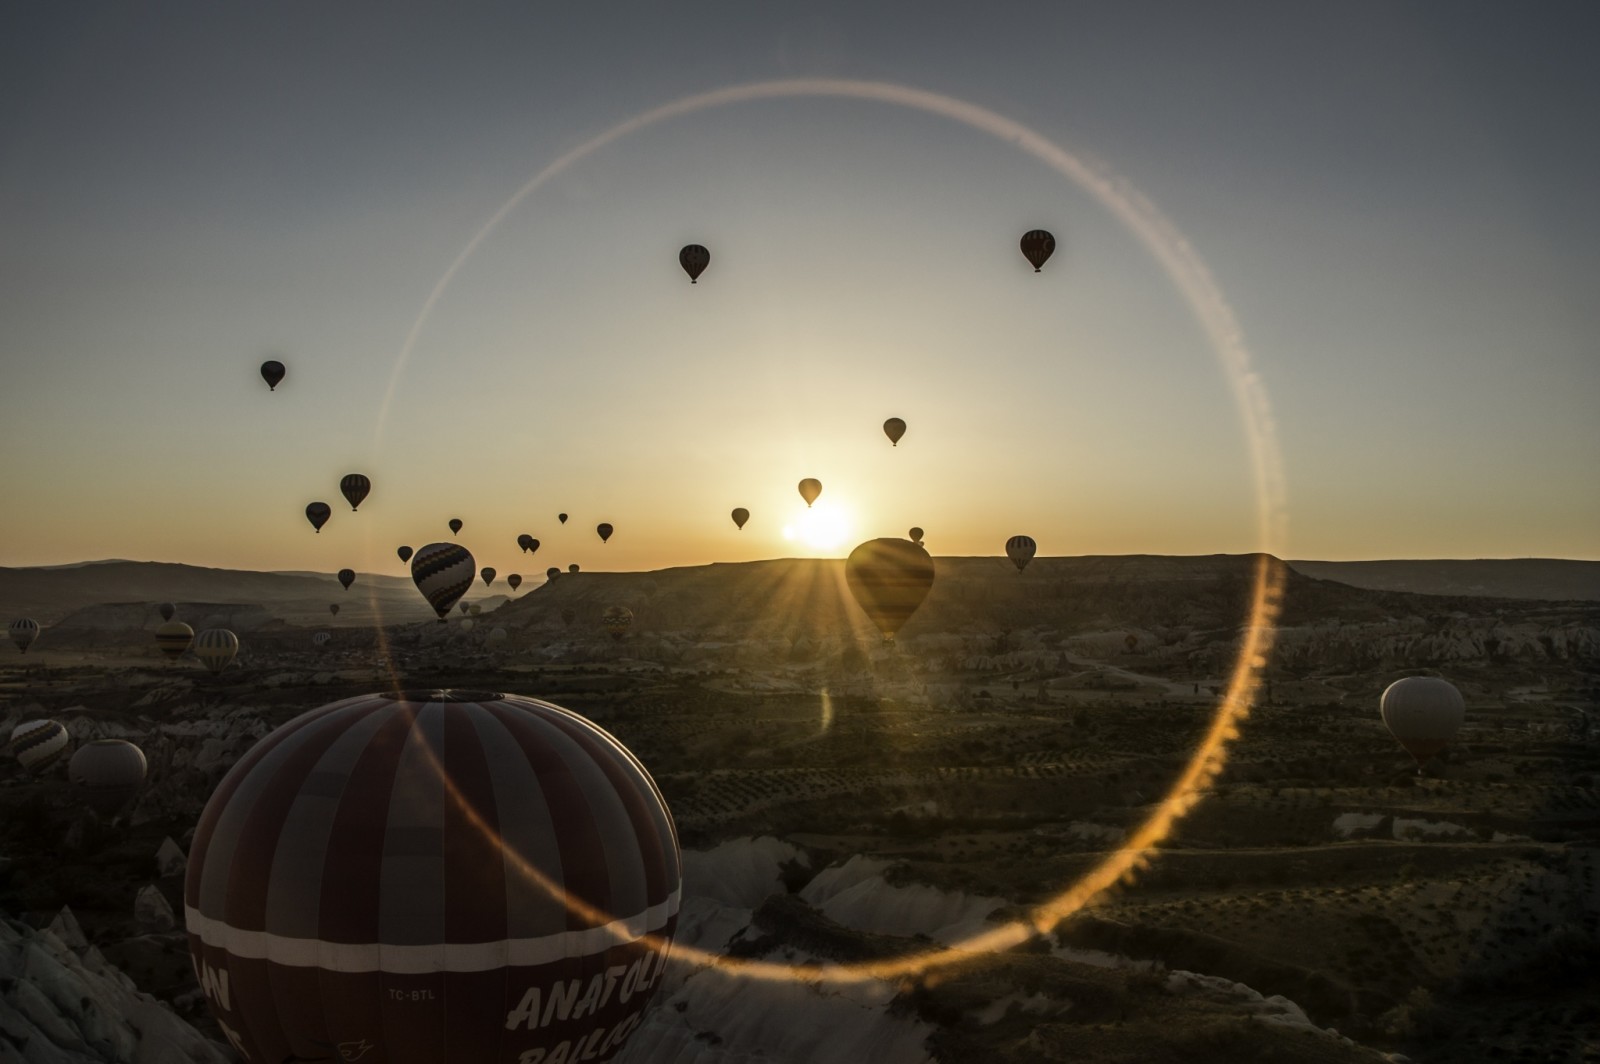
x: 216, y: 647
x: 38, y: 744
x: 1423, y: 713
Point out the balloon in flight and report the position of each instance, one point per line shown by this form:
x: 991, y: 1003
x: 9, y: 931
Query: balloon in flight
x: 354, y: 487
x: 468, y: 625
x: 572, y: 568
x: 617, y: 620
x: 740, y: 516
x: 603, y: 530
x: 694, y: 259
x: 894, y: 428
x: 109, y: 773
x: 1038, y: 245
x: 551, y: 573
x: 318, y: 513
x: 523, y: 541
x: 166, y: 610
x: 915, y: 535
x: 810, y: 488
x: 562, y: 518
x: 38, y: 744
x: 23, y: 631
x: 455, y: 525
x: 889, y: 579
x: 496, y: 635
x: 443, y: 573
x: 474, y: 856
x: 475, y: 609
x: 1020, y: 549
x: 321, y: 639
x: 272, y: 372
x: 405, y: 553
x: 173, y: 639
x: 216, y: 647
x: 347, y: 577
x: 488, y: 575
x: 515, y: 580
x: 1423, y: 713
x: 533, y: 546
x: 333, y: 608
x: 465, y: 606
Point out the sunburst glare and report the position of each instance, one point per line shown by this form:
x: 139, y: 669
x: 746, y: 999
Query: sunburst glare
x: 824, y: 526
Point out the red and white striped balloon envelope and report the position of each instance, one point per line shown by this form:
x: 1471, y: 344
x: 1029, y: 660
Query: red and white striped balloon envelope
x: 429, y: 877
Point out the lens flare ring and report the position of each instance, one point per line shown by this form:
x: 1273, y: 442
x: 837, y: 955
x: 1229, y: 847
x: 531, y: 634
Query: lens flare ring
x: 1193, y: 280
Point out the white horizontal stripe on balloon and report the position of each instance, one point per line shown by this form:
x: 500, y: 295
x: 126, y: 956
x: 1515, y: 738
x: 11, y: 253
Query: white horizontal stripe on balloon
x: 354, y: 957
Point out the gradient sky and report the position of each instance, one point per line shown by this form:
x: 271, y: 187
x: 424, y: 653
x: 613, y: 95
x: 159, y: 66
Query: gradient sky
x: 1398, y: 200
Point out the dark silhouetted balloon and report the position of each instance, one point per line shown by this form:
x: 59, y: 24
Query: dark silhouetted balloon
x: 318, y: 513
x: 515, y: 580
x: 1038, y: 245
x: 894, y: 428
x: 354, y: 487
x: 551, y: 573
x: 38, y: 744
x: 173, y: 639
x: 455, y: 525
x: 167, y: 609
x: 524, y: 541
x: 603, y: 530
x: 810, y: 488
x: 216, y: 648
x: 915, y: 535
x: 1020, y: 549
x: 405, y: 554
x: 562, y: 518
x: 617, y: 620
x: 533, y: 546
x: 109, y: 773
x: 23, y: 631
x: 889, y: 579
x: 450, y: 865
x: 740, y: 516
x: 488, y: 575
x: 333, y: 608
x: 694, y: 259
x: 572, y: 568
x: 272, y: 372
x: 465, y: 606
x: 1423, y: 713
x: 347, y: 577
x: 442, y: 572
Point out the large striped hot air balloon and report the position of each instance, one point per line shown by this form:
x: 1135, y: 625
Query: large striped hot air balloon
x: 354, y: 487
x: 442, y: 572
x: 109, y: 773
x: 38, y: 744
x: 1020, y: 549
x: 173, y: 639
x: 1423, y: 713
x: 216, y: 647
x: 889, y: 579
x: 616, y: 621
x: 23, y: 631
x: 433, y: 876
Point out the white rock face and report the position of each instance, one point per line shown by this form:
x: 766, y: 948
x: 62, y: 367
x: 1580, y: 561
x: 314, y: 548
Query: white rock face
x: 739, y: 872
x: 856, y: 895
x: 152, y: 910
x: 66, y: 1005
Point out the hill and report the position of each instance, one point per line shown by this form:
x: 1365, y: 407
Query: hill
x: 1548, y: 579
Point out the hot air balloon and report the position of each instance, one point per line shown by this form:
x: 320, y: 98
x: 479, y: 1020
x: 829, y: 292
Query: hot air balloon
x: 173, y: 639
x: 468, y: 625
x: 694, y: 259
x: 474, y: 856
x: 603, y: 530
x: 551, y: 573
x: 109, y: 772
x: 272, y: 372
x: 533, y: 546
x: 810, y: 488
x: 465, y: 606
x: 24, y: 630
x: 166, y: 610
x: 38, y: 744
x: 347, y: 577
x: 740, y: 516
x: 894, y: 428
x: 524, y: 541
x: 215, y: 647
x: 562, y: 518
x: 496, y: 635
x: 405, y: 554
x: 455, y: 525
x: 354, y: 487
x: 318, y: 513
x: 915, y: 535
x: 1423, y: 713
x: 321, y: 639
x: 333, y: 608
x: 515, y: 580
x: 572, y: 568
x: 617, y: 620
x: 475, y: 609
x: 1020, y: 550
x: 1038, y: 245
x: 488, y: 575
x: 568, y: 615
x: 889, y: 579
x: 443, y: 573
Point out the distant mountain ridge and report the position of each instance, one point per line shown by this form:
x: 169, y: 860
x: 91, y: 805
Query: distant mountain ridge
x: 1545, y: 579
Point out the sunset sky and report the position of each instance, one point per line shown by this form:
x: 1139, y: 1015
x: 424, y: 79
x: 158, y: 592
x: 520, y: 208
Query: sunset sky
x: 1398, y: 202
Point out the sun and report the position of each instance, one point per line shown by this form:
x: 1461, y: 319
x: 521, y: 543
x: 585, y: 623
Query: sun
x: 823, y: 526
